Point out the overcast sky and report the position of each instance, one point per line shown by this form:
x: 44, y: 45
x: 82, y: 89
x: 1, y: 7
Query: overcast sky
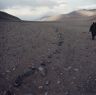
x: 33, y: 9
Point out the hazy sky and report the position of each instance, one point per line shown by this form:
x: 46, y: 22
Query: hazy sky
x: 33, y: 9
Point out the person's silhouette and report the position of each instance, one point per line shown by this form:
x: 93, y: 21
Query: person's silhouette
x: 93, y: 30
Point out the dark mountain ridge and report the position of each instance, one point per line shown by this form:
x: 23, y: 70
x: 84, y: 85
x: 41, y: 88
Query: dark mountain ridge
x: 7, y: 17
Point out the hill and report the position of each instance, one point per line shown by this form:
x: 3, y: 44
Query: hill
x: 7, y: 17
x: 85, y: 14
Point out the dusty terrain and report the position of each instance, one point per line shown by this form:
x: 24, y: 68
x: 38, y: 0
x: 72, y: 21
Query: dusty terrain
x: 53, y: 58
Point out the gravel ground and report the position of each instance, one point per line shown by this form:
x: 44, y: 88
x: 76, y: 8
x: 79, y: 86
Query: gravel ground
x: 47, y: 58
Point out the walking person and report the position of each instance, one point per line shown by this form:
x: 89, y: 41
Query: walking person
x: 93, y: 30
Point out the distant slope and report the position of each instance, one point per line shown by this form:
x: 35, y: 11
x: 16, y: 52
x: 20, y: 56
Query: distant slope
x: 85, y: 14
x: 7, y: 17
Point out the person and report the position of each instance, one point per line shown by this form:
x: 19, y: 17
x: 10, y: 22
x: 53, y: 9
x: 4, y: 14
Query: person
x: 93, y: 30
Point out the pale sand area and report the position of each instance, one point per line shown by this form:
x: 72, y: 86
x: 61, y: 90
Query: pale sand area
x: 65, y: 47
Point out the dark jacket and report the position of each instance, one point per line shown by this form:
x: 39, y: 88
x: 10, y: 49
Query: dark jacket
x: 93, y: 28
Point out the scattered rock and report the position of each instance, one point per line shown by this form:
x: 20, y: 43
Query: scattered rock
x: 74, y: 77
x: 18, y: 81
x: 14, y: 69
x: 67, y: 93
x: 60, y: 35
x: 47, y: 82
x: 76, y: 69
x: 72, y: 82
x: 56, y: 51
x: 42, y: 69
x: 49, y: 49
x: 61, y: 73
x: 48, y: 61
x: 26, y: 73
x: 40, y: 87
x: 46, y: 93
x: 58, y: 82
x: 50, y: 56
x: 8, y: 71
x: 68, y: 68
x: 60, y: 43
